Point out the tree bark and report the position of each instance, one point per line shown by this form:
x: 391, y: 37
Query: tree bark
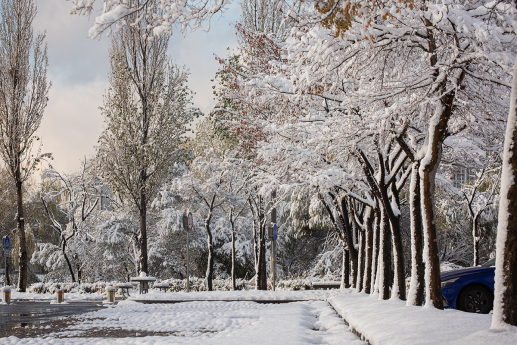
x: 475, y: 238
x: 234, y: 285
x: 361, y: 259
x: 375, y: 252
x: 262, y: 273
x: 384, y: 261
x: 416, y: 287
x: 346, y: 266
x: 350, y: 240
x: 399, y: 286
x: 23, y: 261
x: 142, y: 238
x: 210, y: 264
x: 505, y: 301
x: 427, y: 171
x: 68, y: 263
x: 369, y: 219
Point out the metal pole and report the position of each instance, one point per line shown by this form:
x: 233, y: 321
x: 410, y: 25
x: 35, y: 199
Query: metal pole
x: 273, y: 242
x: 274, y: 264
x: 188, y: 263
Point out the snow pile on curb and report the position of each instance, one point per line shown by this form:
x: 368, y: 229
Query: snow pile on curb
x: 242, y: 295
x: 392, y: 323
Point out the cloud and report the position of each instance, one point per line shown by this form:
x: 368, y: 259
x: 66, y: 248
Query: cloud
x: 78, y: 68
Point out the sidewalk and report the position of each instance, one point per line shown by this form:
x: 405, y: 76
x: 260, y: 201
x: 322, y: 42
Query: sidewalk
x: 392, y: 323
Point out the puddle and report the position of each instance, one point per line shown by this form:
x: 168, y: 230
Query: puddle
x: 23, y: 315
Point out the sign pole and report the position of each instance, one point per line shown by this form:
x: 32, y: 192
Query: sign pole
x: 273, y: 240
x: 274, y: 264
x: 7, y: 244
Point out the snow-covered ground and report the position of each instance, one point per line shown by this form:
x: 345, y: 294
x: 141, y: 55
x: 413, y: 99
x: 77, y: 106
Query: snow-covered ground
x: 230, y: 317
x: 207, y: 322
x: 392, y: 323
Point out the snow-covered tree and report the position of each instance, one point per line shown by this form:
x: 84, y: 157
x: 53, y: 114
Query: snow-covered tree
x: 206, y: 188
x: 78, y: 197
x: 23, y: 98
x: 147, y: 109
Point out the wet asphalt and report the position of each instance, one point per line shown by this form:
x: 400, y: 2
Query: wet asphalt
x: 28, y: 313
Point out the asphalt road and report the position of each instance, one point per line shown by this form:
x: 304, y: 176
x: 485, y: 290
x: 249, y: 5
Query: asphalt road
x: 27, y: 313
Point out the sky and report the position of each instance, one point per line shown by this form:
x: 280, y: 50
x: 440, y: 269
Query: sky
x: 78, y: 69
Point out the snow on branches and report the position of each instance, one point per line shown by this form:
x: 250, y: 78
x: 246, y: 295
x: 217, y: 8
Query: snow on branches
x: 161, y: 15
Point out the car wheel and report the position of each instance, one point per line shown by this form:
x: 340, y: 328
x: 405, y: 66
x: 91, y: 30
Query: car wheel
x: 476, y: 299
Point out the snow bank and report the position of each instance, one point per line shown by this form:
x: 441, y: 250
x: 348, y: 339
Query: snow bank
x: 392, y: 323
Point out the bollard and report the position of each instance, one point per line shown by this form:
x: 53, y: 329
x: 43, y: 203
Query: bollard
x: 111, y: 294
x: 60, y: 296
x: 7, y: 294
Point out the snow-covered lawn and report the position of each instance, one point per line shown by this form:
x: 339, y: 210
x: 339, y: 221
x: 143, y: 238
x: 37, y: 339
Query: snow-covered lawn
x: 206, y: 322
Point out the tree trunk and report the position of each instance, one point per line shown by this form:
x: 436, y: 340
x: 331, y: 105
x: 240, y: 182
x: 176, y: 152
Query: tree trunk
x: 475, y: 237
x: 505, y: 301
x: 369, y: 219
x: 68, y: 263
x: 234, y: 285
x: 384, y: 261
x: 255, y: 247
x: 350, y: 241
x: 262, y: 273
x: 346, y: 267
x: 23, y: 262
x: 399, y: 279
x: 210, y: 264
x: 142, y: 239
x: 375, y: 253
x: 360, y: 273
x: 416, y: 287
x: 78, y: 267
x: 427, y: 171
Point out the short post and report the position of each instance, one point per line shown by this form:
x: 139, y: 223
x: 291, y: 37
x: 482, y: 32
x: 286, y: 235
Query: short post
x: 60, y: 296
x: 111, y: 294
x: 7, y: 294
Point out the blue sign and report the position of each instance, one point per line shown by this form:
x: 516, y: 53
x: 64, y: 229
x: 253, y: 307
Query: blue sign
x: 7, y: 243
x: 275, y: 231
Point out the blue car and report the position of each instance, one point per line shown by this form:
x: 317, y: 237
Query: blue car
x: 470, y: 289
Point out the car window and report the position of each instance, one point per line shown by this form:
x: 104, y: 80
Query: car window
x: 489, y: 263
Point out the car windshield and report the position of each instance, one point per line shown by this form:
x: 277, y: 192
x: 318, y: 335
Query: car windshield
x: 489, y: 263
